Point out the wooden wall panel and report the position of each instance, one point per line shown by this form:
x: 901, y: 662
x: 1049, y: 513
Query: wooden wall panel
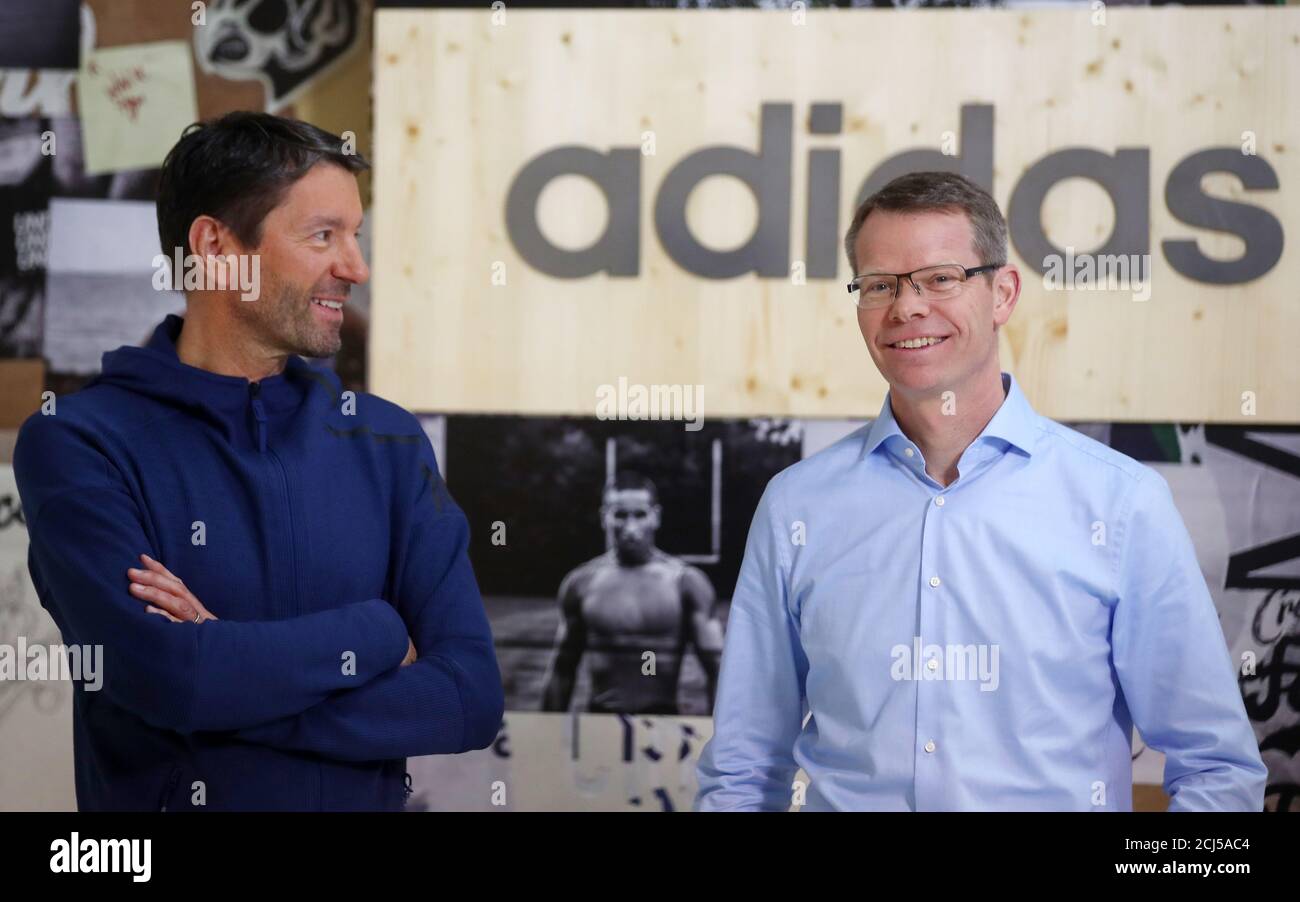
x: 462, y: 104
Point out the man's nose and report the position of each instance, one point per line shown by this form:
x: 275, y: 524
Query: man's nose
x: 908, y: 303
x: 351, y: 267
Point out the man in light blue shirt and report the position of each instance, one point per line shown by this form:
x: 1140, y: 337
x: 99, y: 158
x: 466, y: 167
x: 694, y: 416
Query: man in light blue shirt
x: 965, y: 605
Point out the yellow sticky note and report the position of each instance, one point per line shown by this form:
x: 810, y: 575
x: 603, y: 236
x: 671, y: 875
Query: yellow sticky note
x: 134, y: 102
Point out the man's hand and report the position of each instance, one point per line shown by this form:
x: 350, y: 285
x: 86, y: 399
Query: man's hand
x: 165, y: 594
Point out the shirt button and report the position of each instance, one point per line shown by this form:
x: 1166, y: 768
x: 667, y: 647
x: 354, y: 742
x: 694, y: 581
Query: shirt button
x: 908, y: 452
x: 929, y: 746
x: 932, y: 664
x: 938, y: 502
x: 934, y: 581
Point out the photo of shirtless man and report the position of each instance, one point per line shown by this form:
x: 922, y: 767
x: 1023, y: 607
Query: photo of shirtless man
x: 632, y: 612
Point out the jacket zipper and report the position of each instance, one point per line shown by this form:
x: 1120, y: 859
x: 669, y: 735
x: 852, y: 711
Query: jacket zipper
x: 171, y: 785
x: 259, y: 414
x: 293, y: 535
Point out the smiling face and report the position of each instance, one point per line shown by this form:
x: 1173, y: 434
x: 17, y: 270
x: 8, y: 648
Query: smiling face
x: 957, y: 337
x: 310, y: 259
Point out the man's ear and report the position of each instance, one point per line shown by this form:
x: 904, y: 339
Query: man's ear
x: 208, y: 237
x: 1006, y: 292
x: 218, y: 251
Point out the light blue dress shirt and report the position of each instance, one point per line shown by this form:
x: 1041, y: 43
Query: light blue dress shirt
x: 984, y: 646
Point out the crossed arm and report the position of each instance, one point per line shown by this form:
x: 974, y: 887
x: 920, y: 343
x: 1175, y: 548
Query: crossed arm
x: 279, y: 683
x: 165, y: 593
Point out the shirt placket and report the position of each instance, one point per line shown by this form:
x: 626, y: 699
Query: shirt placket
x: 928, y: 740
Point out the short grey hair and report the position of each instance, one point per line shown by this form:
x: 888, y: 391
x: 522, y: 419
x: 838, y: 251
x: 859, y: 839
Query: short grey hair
x: 938, y: 191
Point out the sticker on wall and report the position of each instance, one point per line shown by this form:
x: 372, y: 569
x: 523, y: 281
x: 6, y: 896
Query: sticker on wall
x: 285, y: 44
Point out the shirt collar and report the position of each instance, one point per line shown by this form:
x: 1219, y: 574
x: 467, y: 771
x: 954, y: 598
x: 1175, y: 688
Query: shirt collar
x: 1014, y: 422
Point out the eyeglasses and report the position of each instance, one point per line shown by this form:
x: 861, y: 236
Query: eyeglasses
x: 935, y: 283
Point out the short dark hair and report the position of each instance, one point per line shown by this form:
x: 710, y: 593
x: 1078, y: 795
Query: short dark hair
x: 631, y: 481
x: 237, y: 169
x: 931, y: 191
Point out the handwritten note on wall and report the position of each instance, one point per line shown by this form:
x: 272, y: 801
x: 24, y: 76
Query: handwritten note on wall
x: 135, y: 101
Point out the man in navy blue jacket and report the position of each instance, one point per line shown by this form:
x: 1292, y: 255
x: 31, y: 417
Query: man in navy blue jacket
x: 272, y: 566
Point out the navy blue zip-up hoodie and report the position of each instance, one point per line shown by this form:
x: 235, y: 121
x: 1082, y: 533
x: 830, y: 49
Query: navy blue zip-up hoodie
x: 314, y: 524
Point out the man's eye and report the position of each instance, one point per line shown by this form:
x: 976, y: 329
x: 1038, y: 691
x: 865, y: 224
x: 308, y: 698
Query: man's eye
x: 323, y: 235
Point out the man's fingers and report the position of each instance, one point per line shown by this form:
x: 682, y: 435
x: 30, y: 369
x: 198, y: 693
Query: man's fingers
x: 157, y: 567
x: 157, y: 580
x: 158, y: 577
x: 152, y: 610
x: 177, y: 607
